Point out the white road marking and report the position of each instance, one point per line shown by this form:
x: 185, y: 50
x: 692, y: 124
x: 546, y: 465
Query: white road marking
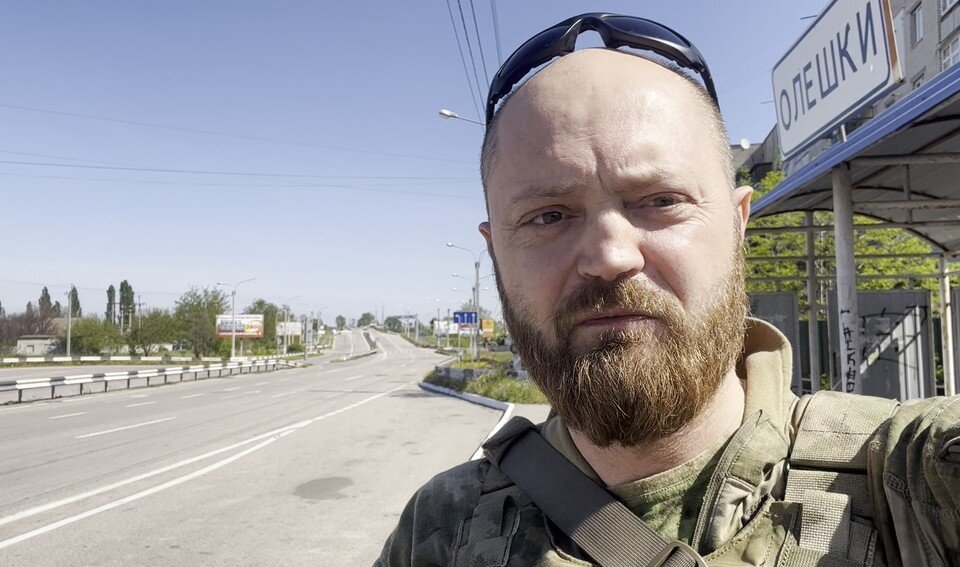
x: 133, y: 497
x: 282, y: 379
x: 232, y: 389
x: 269, y: 437
x: 190, y: 396
x: 353, y: 377
x: 262, y: 383
x: 140, y: 404
x: 125, y: 427
x: 139, y: 396
x: 286, y: 394
x: 69, y: 415
x: 252, y: 392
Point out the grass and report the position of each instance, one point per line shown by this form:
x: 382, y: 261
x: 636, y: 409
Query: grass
x: 496, y: 385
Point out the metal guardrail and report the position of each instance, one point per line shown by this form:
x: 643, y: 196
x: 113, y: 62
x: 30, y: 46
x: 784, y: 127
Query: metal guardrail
x: 124, y: 358
x: 230, y: 368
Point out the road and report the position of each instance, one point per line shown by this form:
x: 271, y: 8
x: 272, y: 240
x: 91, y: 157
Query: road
x: 308, y: 466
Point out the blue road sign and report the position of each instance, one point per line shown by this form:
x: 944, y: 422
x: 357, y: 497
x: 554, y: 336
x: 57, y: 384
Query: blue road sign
x: 465, y: 317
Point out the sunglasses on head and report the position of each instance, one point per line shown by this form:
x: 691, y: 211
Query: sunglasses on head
x: 615, y: 30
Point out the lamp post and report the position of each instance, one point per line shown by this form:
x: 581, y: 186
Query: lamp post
x: 476, y: 294
x: 69, y: 316
x: 233, y: 315
x: 286, y: 317
x: 448, y: 114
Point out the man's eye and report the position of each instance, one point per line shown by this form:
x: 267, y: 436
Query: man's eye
x: 548, y: 218
x: 665, y: 201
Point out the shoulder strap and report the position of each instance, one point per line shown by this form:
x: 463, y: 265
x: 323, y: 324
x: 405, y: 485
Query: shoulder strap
x: 601, y: 525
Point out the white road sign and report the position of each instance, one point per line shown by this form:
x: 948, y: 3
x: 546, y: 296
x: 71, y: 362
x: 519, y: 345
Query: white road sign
x: 842, y: 63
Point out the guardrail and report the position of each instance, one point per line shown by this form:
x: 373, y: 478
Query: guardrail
x: 93, y: 381
x: 127, y: 358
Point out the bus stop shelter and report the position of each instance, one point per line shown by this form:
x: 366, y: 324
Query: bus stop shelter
x: 901, y: 168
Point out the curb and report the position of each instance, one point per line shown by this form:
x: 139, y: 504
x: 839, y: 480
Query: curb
x: 505, y: 407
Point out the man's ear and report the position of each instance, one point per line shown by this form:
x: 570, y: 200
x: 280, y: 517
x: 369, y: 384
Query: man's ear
x: 741, y: 199
x: 484, y: 229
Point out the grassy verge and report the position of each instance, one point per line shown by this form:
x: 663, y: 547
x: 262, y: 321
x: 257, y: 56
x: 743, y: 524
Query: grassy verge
x: 496, y: 385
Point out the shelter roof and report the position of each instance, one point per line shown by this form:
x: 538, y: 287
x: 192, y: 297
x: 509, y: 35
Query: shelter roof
x: 920, y: 132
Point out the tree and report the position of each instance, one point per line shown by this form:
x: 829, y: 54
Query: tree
x: 75, y: 310
x: 269, y: 311
x: 196, y: 316
x: 93, y: 335
x: 44, y: 304
x: 341, y: 322
x: 393, y: 324
x: 127, y: 304
x: 150, y: 329
x: 367, y: 319
x: 2, y: 312
x: 27, y: 323
x: 111, y: 313
x: 57, y: 310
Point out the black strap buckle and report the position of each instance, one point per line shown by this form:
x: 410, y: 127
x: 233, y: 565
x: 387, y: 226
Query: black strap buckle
x: 677, y: 546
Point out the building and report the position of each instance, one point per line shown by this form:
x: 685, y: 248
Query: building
x: 36, y: 345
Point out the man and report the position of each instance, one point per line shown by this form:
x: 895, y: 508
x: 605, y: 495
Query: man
x: 617, y: 234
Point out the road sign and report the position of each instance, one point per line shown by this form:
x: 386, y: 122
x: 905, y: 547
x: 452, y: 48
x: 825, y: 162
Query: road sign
x: 465, y: 317
x: 487, y: 327
x: 841, y: 64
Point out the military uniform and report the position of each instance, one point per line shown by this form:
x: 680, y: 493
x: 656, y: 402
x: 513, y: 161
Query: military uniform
x: 829, y: 479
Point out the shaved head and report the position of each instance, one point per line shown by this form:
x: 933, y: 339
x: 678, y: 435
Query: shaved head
x: 580, y: 81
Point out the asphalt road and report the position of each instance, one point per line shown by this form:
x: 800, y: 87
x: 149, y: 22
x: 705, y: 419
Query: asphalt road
x: 308, y: 466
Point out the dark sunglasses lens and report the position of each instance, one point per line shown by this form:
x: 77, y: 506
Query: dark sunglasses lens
x: 640, y: 27
x: 532, y: 53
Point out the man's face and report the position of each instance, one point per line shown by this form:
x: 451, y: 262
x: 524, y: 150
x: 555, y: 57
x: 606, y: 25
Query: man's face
x: 616, y: 237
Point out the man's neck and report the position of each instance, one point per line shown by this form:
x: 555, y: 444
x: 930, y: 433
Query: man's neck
x: 718, y: 420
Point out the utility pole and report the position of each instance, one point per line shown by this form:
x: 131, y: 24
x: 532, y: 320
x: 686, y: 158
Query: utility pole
x: 69, y: 316
x: 233, y: 315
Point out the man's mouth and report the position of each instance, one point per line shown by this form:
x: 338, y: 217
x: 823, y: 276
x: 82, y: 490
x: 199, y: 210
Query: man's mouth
x: 619, y: 318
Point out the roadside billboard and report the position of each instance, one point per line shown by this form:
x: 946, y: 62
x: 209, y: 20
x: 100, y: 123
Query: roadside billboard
x: 247, y: 326
x: 487, y: 327
x: 289, y: 329
x: 845, y: 61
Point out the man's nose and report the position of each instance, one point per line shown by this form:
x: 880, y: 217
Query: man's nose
x: 610, y: 248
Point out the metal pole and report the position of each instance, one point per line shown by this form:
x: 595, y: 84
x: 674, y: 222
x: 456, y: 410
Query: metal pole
x: 813, y: 325
x: 946, y: 331
x: 69, y: 317
x: 476, y: 305
x: 233, y: 323
x: 848, y: 314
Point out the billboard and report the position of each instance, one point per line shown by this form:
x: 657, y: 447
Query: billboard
x: 845, y: 61
x: 487, y: 327
x: 247, y: 326
x: 289, y: 328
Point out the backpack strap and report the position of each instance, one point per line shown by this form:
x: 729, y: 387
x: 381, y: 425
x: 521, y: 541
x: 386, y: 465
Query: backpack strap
x: 598, y: 523
x: 828, y: 472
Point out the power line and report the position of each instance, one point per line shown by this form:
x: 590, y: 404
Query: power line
x: 483, y: 60
x: 473, y: 60
x: 209, y: 172
x: 60, y: 157
x: 368, y: 188
x: 463, y: 60
x: 222, y: 134
x: 496, y: 30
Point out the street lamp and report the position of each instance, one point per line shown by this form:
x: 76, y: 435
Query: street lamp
x: 286, y: 321
x: 448, y: 114
x: 476, y: 294
x: 233, y: 315
x: 69, y: 295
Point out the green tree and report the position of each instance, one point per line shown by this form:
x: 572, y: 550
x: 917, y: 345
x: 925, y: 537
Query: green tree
x: 366, y: 319
x: 92, y: 335
x: 196, y: 316
x: 269, y: 311
x: 44, y: 304
x: 150, y: 329
x: 111, y: 313
x: 75, y: 310
x: 2, y: 312
x: 127, y: 304
x: 393, y: 324
x: 341, y: 322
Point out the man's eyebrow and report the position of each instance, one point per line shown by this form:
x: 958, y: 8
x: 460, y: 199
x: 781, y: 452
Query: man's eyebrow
x: 632, y: 181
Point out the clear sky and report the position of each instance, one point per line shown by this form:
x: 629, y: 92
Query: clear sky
x: 336, y: 102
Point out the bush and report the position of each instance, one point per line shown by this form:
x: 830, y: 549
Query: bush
x: 295, y: 347
x: 496, y: 385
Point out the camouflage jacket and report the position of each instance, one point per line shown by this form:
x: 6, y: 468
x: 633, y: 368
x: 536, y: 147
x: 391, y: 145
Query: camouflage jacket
x: 829, y: 479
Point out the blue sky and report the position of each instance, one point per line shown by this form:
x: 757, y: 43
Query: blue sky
x: 344, y: 94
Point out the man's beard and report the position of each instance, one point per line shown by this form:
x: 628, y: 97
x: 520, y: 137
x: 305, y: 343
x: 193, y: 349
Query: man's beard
x: 635, y: 386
